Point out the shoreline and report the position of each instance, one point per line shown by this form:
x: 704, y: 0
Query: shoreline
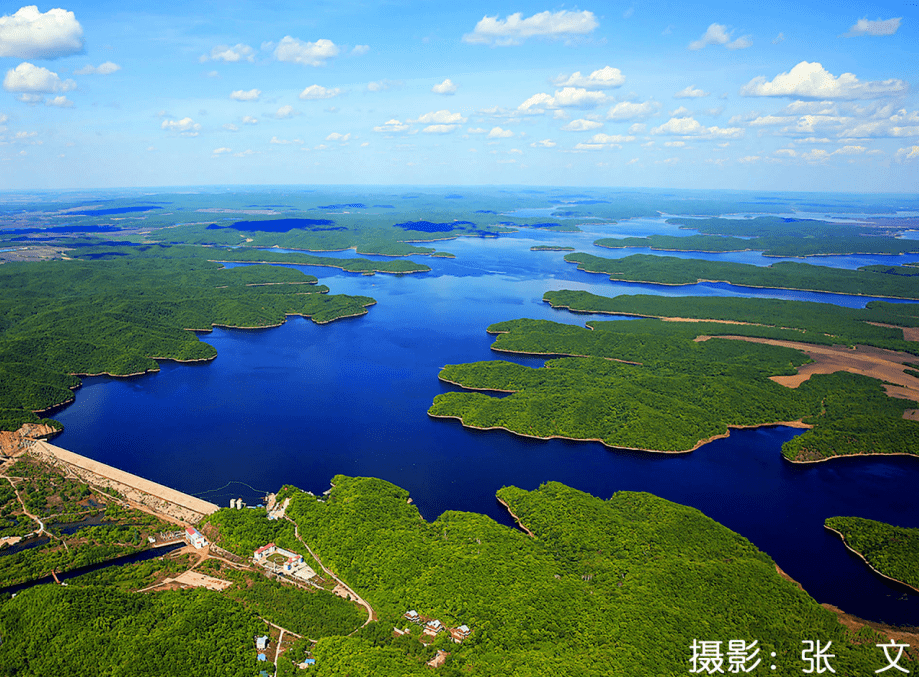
x: 859, y: 455
x: 865, y: 559
x: 516, y: 519
x: 748, y: 249
x: 326, y: 265
x: 700, y: 443
x: 748, y: 286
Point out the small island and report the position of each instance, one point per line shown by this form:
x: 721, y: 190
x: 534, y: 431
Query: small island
x: 551, y: 248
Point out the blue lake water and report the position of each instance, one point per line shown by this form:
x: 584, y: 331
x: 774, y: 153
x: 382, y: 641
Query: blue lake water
x: 300, y: 403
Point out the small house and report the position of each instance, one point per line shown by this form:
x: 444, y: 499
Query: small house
x: 261, y: 642
x: 413, y: 616
x: 433, y: 627
x: 460, y: 633
x: 195, y: 537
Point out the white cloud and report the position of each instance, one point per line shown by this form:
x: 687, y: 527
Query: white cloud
x: 515, y: 29
x: 212, y: 74
x: 812, y: 81
x: 439, y: 129
x: 675, y: 144
x: 319, y: 92
x: 850, y: 150
x: 60, y: 102
x: 786, y: 152
x: 391, y: 127
x: 627, y: 110
x: 574, y: 97
x: 611, y: 138
x: 875, y: 28
x: 498, y: 133
x: 445, y: 87
x: 316, y: 53
x: 637, y: 128
x: 249, y: 120
x: 29, y: 34
x: 605, y: 78
x: 245, y: 153
x: 680, y: 112
x: 688, y: 126
x: 33, y: 79
x: 222, y: 151
x: 186, y: 126
x: 229, y: 54
x: 242, y: 95
x: 383, y: 85
x: 771, y: 120
x: 778, y: 38
x: 545, y: 143
x: 441, y: 117
x: 360, y: 50
x: 31, y: 98
x: 335, y: 136
x: 910, y: 153
x: 285, y: 142
x: 284, y: 112
x: 749, y: 158
x: 476, y: 130
x: 106, y: 68
x: 690, y: 92
x: 231, y: 127
x: 717, y: 34
x: 582, y: 125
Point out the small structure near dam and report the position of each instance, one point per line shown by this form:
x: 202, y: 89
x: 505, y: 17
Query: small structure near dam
x: 161, y: 499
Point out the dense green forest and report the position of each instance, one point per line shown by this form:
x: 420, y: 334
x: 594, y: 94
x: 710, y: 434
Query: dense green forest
x: 774, y: 236
x: 783, y: 275
x: 804, y: 321
x: 648, y: 384
x: 118, y: 314
x: 618, y: 586
x: 90, y: 631
x: 893, y: 551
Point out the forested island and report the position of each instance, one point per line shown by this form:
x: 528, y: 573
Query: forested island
x: 891, y: 551
x: 652, y: 385
x: 889, y: 281
x: 119, y: 310
x: 774, y: 236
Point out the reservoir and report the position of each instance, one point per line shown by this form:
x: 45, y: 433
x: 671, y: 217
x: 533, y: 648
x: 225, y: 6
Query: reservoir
x: 300, y: 403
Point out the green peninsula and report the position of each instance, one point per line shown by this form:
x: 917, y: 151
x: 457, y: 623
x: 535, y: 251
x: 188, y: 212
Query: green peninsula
x: 892, y: 281
x: 891, y: 551
x: 648, y: 384
x: 120, y: 313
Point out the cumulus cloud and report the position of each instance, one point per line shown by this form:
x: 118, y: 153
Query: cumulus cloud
x: 242, y: 95
x: 682, y: 111
x: 627, y: 110
x: 688, y: 126
x: 605, y: 78
x: 229, y: 54
x: 515, y: 29
x: 445, y: 87
x: 319, y: 92
x: 360, y: 50
x: 29, y: 34
x: 335, y: 136
x: 285, y: 142
x: 231, y: 127
x: 690, y: 92
x: 637, y: 128
x: 31, y: 79
x: 582, y: 125
x: 106, y: 68
x: 391, y: 127
x: 440, y: 117
x: 911, y: 153
x: 545, y: 143
x: 875, y: 28
x: 573, y: 97
x: 249, y: 120
x: 60, y: 102
x: 498, y: 133
x: 186, y: 126
x: 222, y: 151
x: 778, y: 38
x: 383, y: 85
x: 284, y: 112
x: 439, y: 129
x: 316, y: 53
x: 717, y: 34
x: 813, y: 81
x: 608, y: 139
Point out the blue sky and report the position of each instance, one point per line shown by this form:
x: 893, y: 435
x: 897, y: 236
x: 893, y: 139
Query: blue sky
x: 778, y: 96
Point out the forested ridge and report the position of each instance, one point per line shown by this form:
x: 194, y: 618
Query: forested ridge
x: 618, y: 586
x: 648, y: 268
x: 891, y: 550
x: 648, y: 384
x: 59, y: 319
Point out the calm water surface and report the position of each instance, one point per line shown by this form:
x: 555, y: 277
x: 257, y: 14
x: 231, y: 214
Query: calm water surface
x: 301, y: 403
